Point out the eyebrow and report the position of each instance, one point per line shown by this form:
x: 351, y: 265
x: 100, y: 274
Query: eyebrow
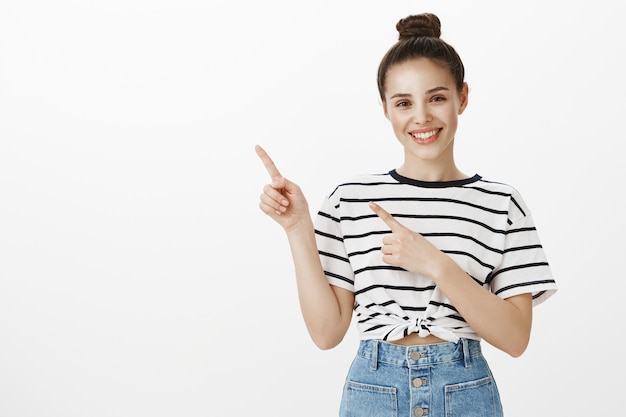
x: 432, y: 90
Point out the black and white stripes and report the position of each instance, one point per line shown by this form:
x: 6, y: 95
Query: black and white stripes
x: 484, y: 226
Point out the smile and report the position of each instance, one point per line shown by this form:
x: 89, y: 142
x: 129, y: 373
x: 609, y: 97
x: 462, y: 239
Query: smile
x: 424, y: 137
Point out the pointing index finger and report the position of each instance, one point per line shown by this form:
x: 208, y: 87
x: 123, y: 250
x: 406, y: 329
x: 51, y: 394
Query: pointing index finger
x: 267, y: 161
x: 389, y: 220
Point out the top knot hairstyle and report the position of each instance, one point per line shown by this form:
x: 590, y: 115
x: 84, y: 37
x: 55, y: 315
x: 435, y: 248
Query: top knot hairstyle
x: 419, y: 37
x: 425, y: 24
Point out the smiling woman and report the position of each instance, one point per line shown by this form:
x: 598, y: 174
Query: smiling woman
x: 138, y: 276
x: 423, y: 104
x: 428, y: 260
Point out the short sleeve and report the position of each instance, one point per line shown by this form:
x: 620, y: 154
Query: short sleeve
x: 332, y: 252
x: 524, y: 267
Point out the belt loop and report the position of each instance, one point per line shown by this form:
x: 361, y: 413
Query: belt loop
x: 374, y: 363
x: 466, y: 354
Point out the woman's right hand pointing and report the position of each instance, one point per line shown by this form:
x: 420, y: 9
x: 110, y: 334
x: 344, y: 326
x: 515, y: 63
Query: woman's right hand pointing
x: 282, y: 199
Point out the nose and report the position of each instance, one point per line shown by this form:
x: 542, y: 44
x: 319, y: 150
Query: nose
x: 421, y: 114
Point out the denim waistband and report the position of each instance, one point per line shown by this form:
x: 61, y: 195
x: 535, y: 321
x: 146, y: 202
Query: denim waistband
x: 419, y: 355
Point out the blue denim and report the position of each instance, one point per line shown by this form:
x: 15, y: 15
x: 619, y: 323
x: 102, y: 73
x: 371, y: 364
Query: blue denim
x: 439, y: 380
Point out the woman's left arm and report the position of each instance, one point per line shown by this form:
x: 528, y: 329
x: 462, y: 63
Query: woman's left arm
x: 503, y: 323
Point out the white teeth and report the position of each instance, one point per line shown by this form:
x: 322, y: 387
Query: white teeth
x: 425, y: 135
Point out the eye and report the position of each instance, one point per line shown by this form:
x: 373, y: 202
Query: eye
x: 438, y: 98
x: 402, y: 103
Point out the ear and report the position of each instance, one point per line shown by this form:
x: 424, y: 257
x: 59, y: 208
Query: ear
x: 464, y: 96
x: 385, y: 110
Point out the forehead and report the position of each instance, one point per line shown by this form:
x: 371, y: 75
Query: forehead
x: 417, y: 76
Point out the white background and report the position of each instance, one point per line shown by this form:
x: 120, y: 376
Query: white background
x: 139, y: 278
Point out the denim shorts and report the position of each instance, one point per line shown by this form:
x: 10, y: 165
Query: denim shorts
x: 438, y: 380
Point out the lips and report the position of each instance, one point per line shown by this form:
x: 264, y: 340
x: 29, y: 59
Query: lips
x: 425, y: 137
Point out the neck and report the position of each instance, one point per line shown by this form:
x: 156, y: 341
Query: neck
x: 431, y: 171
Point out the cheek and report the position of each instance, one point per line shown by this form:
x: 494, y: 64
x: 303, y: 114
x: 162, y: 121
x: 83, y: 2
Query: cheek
x: 397, y: 121
x: 451, y: 115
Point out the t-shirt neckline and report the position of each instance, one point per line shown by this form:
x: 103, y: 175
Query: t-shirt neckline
x: 433, y: 184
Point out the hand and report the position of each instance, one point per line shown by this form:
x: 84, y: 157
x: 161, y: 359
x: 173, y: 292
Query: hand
x: 282, y: 199
x: 408, y: 249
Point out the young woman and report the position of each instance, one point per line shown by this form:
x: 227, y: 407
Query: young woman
x: 428, y: 259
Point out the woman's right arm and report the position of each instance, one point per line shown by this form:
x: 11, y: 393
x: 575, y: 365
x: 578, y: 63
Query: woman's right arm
x: 327, y: 310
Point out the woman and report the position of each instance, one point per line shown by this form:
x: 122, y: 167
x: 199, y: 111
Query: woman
x: 429, y: 260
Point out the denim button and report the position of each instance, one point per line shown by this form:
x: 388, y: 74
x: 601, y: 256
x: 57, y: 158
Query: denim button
x: 417, y: 382
x: 417, y: 355
x: 419, y: 412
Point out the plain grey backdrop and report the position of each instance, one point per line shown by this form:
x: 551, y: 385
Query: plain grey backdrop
x: 138, y: 276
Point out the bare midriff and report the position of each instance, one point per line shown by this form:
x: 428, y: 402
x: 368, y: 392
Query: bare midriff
x: 413, y: 339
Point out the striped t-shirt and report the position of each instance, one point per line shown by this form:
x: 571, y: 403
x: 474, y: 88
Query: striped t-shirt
x: 484, y: 226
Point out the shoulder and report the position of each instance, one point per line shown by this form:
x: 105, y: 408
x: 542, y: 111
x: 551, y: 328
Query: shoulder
x: 362, y: 181
x: 493, y: 186
x: 517, y: 205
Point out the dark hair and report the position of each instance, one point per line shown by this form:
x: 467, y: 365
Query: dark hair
x: 419, y: 37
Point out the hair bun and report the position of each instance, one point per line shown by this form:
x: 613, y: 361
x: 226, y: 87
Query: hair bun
x: 424, y: 24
